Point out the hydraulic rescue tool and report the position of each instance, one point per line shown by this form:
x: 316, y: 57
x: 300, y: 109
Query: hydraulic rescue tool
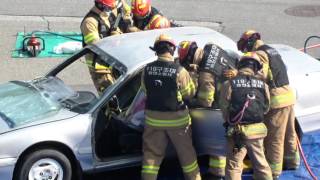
x: 33, y: 45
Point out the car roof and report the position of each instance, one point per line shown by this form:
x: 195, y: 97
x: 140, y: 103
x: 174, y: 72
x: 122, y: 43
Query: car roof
x: 132, y: 49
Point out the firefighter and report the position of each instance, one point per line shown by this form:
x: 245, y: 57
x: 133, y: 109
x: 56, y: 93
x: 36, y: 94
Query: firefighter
x: 281, y: 142
x: 100, y: 22
x: 167, y: 85
x: 146, y: 17
x: 206, y: 71
x: 244, y: 101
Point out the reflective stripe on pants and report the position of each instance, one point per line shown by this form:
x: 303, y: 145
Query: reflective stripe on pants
x: 155, y: 142
x: 217, y: 165
x: 278, y: 121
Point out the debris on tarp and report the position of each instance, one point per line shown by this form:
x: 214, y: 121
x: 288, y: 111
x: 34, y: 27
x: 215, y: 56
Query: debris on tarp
x: 49, y: 41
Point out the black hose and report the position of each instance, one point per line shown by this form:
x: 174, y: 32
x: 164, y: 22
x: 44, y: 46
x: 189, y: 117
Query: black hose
x: 57, y: 34
x: 306, y: 42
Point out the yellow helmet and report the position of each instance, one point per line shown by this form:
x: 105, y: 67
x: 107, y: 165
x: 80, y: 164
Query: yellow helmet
x: 247, y: 40
x: 250, y: 58
x: 164, y: 38
x: 164, y: 43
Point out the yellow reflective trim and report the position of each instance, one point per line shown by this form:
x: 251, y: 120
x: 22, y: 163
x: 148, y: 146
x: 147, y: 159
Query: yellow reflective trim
x: 185, y: 44
x: 168, y: 123
x: 206, y: 95
x: 217, y: 163
x: 151, y: 167
x: 149, y: 171
x: 158, y: 23
x: 179, y: 96
x: 276, y: 166
x: 283, y: 98
x: 269, y: 72
x: 126, y: 7
x: 187, y: 89
x: 253, y: 129
x: 154, y: 18
x: 141, y: 6
x: 190, y: 168
x: 101, y: 67
x: 296, y: 156
x: 90, y: 38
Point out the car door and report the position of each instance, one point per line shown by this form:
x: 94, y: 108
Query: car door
x: 116, y: 142
x: 208, y: 131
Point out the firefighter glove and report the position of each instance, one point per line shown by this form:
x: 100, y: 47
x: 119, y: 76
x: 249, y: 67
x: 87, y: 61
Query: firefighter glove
x: 230, y: 73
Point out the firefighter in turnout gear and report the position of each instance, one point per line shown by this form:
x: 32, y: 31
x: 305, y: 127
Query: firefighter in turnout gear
x: 167, y: 85
x: 281, y: 142
x: 204, y: 66
x: 101, y: 21
x: 146, y: 17
x: 244, y: 102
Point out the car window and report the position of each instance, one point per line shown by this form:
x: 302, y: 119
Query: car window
x: 21, y: 103
x: 80, y: 79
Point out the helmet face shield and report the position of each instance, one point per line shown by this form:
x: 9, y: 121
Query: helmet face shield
x: 241, y: 44
x: 247, y: 40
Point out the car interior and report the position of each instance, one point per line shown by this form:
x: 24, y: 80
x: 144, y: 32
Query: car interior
x: 114, y: 135
x: 86, y: 94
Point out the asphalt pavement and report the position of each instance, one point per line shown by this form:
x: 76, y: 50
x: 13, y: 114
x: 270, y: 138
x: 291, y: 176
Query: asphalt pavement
x: 286, y: 22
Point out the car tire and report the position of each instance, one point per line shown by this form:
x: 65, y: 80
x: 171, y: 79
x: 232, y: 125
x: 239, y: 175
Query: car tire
x: 44, y: 164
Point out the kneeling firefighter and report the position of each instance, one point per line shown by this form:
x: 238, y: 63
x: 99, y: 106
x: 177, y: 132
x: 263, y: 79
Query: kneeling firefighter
x: 244, y: 101
x: 206, y: 67
x: 167, y: 85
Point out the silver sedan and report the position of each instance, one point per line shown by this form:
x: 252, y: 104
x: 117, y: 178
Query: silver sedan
x: 55, y: 131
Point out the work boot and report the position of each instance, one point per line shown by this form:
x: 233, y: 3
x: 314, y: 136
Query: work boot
x: 275, y: 177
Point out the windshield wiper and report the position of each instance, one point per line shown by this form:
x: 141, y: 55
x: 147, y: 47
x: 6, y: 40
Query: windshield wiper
x: 6, y: 119
x: 24, y: 84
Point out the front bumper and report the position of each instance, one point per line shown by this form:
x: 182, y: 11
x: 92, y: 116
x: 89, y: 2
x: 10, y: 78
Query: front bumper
x: 6, y: 168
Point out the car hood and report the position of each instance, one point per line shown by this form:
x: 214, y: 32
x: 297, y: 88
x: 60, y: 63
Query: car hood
x: 23, y: 104
x: 63, y: 114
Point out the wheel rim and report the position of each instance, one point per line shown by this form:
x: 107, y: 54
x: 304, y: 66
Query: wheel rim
x: 46, y: 169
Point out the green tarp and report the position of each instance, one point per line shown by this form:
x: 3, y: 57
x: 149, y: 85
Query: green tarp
x: 51, y: 39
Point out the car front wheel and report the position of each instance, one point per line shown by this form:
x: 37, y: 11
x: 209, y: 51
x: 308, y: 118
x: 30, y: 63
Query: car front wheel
x: 45, y: 165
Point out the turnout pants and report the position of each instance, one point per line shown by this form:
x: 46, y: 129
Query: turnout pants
x: 281, y: 134
x: 155, y: 142
x: 255, y: 150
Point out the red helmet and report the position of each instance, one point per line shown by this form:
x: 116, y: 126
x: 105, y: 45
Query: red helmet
x: 158, y: 22
x: 186, y: 51
x: 183, y: 49
x: 108, y: 3
x: 247, y: 40
x: 141, y: 8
